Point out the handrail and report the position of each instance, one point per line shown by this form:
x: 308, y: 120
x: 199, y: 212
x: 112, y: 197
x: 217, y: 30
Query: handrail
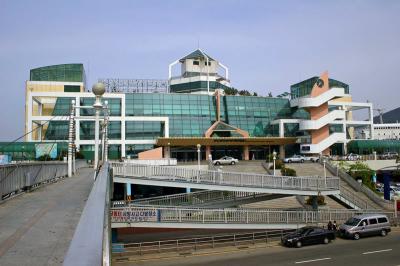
x: 197, y: 197
x: 157, y: 214
x: 23, y: 176
x: 90, y: 244
x: 196, y: 243
x: 309, y: 183
x: 358, y: 187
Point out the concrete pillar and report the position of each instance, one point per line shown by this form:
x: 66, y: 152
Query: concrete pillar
x: 246, y: 152
x: 167, y: 152
x: 128, y: 192
x: 208, y: 152
x: 314, y: 203
x: 281, y: 152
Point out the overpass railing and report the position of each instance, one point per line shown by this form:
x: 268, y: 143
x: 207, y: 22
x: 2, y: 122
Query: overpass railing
x: 359, y: 187
x: 24, y: 176
x: 233, y: 215
x: 192, y: 198
x: 226, y: 178
x: 197, y: 243
x: 91, y: 242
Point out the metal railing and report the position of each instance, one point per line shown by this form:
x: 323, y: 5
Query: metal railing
x: 359, y: 187
x: 353, y: 198
x: 193, y: 198
x: 169, y: 162
x: 231, y: 215
x: 24, y: 176
x: 91, y: 242
x: 197, y: 243
x: 226, y: 178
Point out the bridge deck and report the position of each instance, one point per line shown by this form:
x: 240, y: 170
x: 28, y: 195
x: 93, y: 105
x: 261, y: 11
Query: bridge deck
x: 37, y: 227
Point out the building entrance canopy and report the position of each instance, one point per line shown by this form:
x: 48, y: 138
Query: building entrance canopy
x: 225, y: 141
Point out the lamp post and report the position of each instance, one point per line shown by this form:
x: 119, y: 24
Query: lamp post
x: 324, y: 160
x: 274, y: 158
x: 198, y: 155
x: 71, y: 138
x: 98, y: 90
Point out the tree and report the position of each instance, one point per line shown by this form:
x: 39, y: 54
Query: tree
x: 244, y: 93
x: 362, y: 171
x: 255, y: 94
x: 230, y: 91
x: 270, y: 94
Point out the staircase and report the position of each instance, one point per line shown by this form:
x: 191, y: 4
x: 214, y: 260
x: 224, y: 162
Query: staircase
x: 348, y: 196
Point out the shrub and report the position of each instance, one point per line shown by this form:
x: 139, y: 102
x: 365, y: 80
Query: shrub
x: 320, y: 200
x: 288, y: 171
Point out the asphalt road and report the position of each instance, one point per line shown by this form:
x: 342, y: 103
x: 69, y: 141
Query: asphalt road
x: 372, y: 251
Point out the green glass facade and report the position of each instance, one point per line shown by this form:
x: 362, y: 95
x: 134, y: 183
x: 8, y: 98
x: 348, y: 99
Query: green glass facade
x: 304, y: 88
x: 190, y: 115
x: 196, y: 86
x: 64, y: 72
x: 368, y: 146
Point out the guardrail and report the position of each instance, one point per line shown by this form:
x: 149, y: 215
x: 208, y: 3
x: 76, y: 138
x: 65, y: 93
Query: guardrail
x: 231, y: 215
x: 196, y: 243
x: 354, y: 198
x: 359, y: 187
x: 227, y: 178
x: 24, y: 176
x: 90, y: 244
x: 170, y: 161
x: 192, y: 198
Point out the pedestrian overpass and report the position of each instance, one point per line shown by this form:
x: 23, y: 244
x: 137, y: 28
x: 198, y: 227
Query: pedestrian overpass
x: 224, y: 181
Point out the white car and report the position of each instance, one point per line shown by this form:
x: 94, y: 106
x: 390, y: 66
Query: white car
x: 353, y: 157
x: 295, y: 159
x: 394, y: 191
x: 226, y: 160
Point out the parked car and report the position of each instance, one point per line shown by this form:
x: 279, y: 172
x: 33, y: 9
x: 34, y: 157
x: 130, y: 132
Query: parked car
x: 353, y: 157
x: 394, y: 192
x: 226, y: 160
x: 389, y: 155
x: 365, y: 225
x: 313, y: 159
x: 295, y: 159
x: 307, y: 236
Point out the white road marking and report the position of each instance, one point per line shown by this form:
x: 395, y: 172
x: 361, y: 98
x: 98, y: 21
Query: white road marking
x: 305, y: 261
x: 377, y: 251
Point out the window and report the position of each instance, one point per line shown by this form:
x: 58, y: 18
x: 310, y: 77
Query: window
x: 382, y: 220
x: 196, y: 63
x: 363, y: 223
x: 372, y: 221
x: 209, y: 63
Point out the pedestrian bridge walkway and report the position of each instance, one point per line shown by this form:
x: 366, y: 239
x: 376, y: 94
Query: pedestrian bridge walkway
x: 37, y: 227
x: 223, y: 181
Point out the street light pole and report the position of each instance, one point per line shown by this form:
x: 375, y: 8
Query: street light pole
x: 274, y: 158
x: 71, y: 138
x: 98, y: 90
x: 325, y: 172
x: 198, y: 155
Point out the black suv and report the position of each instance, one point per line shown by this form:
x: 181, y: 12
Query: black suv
x: 307, y: 236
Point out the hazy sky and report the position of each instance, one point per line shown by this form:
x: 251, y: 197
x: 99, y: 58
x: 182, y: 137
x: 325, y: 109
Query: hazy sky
x: 268, y: 45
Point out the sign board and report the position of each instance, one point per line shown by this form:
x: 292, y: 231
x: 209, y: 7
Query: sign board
x: 134, y: 215
x: 49, y: 149
x: 5, y: 159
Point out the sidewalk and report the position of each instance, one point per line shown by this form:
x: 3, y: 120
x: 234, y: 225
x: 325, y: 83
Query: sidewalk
x: 37, y: 227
